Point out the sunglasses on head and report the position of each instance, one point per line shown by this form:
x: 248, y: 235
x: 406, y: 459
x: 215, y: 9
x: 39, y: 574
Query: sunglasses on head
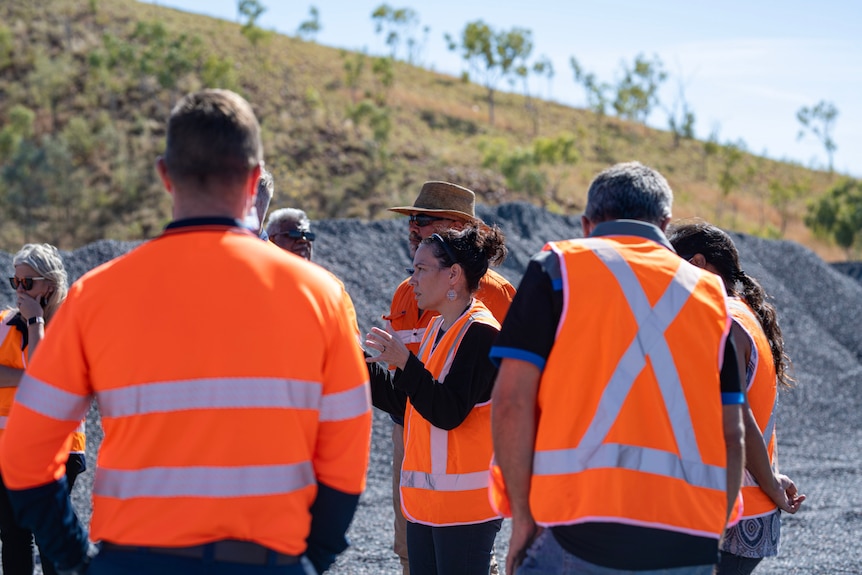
x: 297, y: 235
x: 423, y: 220
x: 26, y: 282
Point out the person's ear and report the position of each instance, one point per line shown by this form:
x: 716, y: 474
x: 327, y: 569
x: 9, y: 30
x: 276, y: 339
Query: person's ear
x: 698, y: 260
x: 162, y: 169
x: 664, y: 224
x: 586, y: 226
x: 253, y: 178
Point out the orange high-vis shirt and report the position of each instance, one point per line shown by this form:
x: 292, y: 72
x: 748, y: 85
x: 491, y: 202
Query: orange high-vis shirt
x: 229, y: 382
x: 494, y: 291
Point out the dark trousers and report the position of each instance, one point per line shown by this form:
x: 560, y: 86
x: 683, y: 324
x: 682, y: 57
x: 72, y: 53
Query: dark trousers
x: 731, y: 564
x: 111, y: 562
x: 457, y: 550
x: 18, y: 541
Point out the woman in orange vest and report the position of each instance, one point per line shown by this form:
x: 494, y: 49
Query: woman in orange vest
x: 444, y: 394
x: 40, y: 284
x: 756, y: 332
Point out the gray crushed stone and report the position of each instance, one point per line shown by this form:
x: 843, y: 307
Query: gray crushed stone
x: 820, y: 307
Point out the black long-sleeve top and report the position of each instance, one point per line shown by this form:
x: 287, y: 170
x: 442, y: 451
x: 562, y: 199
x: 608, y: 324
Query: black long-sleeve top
x: 443, y: 404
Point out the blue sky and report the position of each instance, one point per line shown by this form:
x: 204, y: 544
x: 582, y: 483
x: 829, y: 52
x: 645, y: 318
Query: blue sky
x: 746, y: 67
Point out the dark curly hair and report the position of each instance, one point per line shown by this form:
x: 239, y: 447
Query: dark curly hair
x: 699, y: 237
x: 474, y: 248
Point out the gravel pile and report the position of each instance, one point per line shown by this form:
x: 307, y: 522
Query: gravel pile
x: 819, y: 434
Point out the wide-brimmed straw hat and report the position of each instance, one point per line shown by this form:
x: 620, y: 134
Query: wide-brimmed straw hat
x: 442, y: 199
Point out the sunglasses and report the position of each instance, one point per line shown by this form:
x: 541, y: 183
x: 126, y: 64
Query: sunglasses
x: 26, y: 282
x: 297, y: 235
x: 423, y: 220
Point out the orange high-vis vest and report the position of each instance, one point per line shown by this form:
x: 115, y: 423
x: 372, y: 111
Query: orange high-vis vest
x: 229, y: 383
x: 762, y: 395
x: 404, y: 320
x: 630, y: 414
x: 13, y: 355
x: 444, y: 475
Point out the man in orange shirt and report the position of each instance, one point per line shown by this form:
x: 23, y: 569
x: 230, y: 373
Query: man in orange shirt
x: 439, y: 206
x: 222, y: 452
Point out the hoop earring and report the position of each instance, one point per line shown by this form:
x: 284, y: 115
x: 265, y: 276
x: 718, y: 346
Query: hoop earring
x: 451, y: 295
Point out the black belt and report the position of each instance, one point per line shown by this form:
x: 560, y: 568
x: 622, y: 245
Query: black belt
x: 228, y: 551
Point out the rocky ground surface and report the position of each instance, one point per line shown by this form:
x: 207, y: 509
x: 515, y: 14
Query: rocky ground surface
x: 820, y: 436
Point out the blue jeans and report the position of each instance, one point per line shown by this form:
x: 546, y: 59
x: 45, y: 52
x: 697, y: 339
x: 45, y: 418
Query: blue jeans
x: 546, y: 557
x: 457, y: 550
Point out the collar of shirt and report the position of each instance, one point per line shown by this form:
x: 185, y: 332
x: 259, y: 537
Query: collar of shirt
x: 632, y: 228
x: 204, y: 221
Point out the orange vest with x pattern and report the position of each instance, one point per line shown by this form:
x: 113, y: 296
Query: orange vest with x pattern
x: 630, y: 427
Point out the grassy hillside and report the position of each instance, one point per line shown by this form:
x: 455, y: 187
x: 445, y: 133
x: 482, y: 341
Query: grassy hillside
x: 86, y: 87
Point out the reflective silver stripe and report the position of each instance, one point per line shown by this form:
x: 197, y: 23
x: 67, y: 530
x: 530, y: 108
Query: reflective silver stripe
x: 591, y: 451
x: 47, y: 400
x: 428, y: 342
x: 445, y: 481
x: 346, y: 404
x: 644, y: 459
x: 408, y: 336
x: 439, y: 438
x: 215, y: 393
x: 439, y: 450
x: 3, y: 419
x: 215, y: 482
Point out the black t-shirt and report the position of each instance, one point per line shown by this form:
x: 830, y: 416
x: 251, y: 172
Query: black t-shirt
x: 528, y: 333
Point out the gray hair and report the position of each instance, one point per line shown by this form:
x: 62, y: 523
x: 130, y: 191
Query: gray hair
x: 629, y: 191
x: 46, y: 260
x: 265, y: 190
x: 292, y: 214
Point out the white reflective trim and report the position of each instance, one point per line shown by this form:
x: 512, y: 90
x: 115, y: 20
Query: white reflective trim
x: 3, y: 419
x: 445, y: 482
x: 214, y: 393
x: 214, y: 482
x: 47, y: 400
x: 649, y: 341
x: 408, y: 336
x: 439, y: 449
x: 592, y: 452
x: 617, y: 456
x: 346, y: 404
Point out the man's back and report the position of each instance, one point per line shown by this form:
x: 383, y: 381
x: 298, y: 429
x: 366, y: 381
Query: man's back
x: 211, y: 429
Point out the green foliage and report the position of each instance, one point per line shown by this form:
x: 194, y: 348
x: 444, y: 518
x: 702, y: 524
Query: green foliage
x: 637, y: 92
x: 492, y: 55
x: 680, y: 118
x: 819, y: 120
x: 219, y: 73
x: 524, y: 168
x: 252, y: 10
x: 783, y: 197
x: 597, y: 101
x: 18, y: 128
x: 354, y: 64
x: 5, y: 46
x: 397, y: 26
x: 838, y: 215
x: 165, y: 56
x: 309, y: 28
